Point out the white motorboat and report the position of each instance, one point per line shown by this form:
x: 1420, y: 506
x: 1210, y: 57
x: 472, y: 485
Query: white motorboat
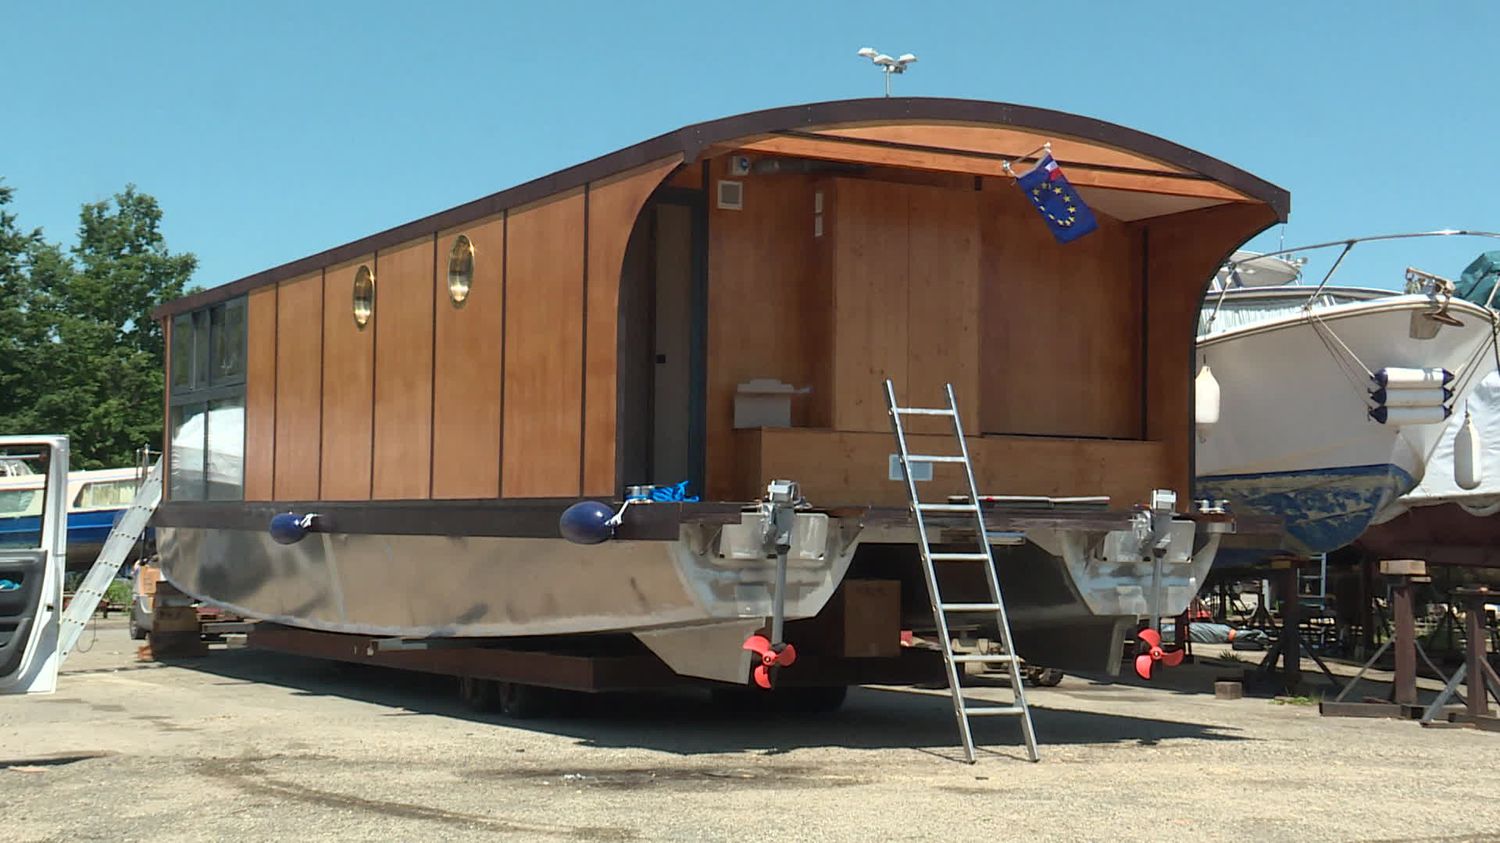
x: 1330, y: 400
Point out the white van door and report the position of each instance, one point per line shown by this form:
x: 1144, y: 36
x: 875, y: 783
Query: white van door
x: 33, y: 550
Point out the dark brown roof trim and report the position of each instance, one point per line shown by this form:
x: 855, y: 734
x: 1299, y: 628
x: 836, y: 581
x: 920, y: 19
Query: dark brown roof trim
x: 692, y: 140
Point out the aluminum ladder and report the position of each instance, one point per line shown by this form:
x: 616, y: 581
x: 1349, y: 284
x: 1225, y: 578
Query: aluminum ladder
x: 127, y: 531
x: 953, y: 662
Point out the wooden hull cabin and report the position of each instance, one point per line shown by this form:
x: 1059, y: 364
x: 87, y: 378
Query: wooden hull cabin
x: 720, y: 305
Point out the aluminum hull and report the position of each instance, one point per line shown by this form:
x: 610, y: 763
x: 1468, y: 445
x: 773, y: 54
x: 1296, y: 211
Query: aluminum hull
x: 1069, y: 605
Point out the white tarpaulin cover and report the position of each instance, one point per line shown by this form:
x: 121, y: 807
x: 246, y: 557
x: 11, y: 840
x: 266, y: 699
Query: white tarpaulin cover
x: 1438, y: 484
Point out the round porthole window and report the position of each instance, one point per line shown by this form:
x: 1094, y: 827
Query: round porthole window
x: 364, y: 296
x: 460, y: 270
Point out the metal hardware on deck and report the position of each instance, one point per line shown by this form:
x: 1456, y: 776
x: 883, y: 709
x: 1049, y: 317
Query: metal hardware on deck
x: 962, y: 711
x: 116, y: 548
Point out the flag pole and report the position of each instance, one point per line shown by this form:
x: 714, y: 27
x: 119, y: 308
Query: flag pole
x: 1006, y: 165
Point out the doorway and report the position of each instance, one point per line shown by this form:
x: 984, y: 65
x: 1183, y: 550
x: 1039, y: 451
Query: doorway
x: 663, y: 341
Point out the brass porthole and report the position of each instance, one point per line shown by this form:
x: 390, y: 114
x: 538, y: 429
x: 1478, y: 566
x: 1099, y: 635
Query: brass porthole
x: 460, y: 270
x: 364, y: 296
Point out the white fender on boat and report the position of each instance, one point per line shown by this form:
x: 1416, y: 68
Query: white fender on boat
x: 1401, y: 416
x: 1468, y: 465
x: 1206, y: 392
x: 1393, y: 377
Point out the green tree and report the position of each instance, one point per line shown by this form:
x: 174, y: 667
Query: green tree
x: 19, y: 323
x: 90, y: 362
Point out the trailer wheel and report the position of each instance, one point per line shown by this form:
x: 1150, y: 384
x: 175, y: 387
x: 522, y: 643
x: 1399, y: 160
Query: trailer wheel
x: 136, y: 632
x: 481, y: 695
x: 1045, y: 677
x: 524, y: 702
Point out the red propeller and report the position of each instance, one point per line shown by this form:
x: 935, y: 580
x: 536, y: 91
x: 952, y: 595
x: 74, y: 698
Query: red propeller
x: 770, y: 656
x: 1150, y: 640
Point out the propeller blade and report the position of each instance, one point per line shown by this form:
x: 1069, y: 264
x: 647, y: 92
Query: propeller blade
x: 787, y: 656
x: 1172, y: 658
x: 1143, y: 666
x: 757, y: 644
x: 763, y: 676
x: 1151, y: 637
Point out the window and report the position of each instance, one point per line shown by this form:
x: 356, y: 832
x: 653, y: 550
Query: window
x: 105, y: 494
x: 364, y: 296
x: 207, y: 403
x: 460, y: 270
x: 18, y: 503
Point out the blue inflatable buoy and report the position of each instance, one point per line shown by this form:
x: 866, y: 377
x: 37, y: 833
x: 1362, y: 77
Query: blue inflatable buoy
x: 586, y: 522
x: 289, y: 527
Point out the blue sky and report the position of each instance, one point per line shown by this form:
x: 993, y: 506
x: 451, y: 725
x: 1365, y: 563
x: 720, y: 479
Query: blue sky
x: 271, y: 130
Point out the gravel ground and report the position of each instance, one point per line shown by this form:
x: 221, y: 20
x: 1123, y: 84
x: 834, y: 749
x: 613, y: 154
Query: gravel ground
x: 259, y: 746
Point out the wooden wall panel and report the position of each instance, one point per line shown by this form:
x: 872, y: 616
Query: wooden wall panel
x: 1182, y: 253
x: 1060, y: 336
x: 840, y: 467
x: 761, y: 276
x: 403, y: 373
x: 942, y: 307
x: 869, y: 228
x: 613, y: 207
x: 466, y: 374
x: 542, y: 451
x: 299, y: 334
x: 348, y: 379
x: 260, y: 396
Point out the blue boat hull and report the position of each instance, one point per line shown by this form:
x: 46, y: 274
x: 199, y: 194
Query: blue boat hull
x: 87, y: 532
x: 1323, y: 509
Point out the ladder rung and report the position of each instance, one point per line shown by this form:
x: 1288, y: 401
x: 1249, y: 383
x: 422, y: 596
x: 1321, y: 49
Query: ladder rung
x: 959, y: 557
x: 924, y: 411
x: 947, y: 507
x: 933, y: 458
x: 983, y: 659
x: 993, y: 710
x: 970, y: 607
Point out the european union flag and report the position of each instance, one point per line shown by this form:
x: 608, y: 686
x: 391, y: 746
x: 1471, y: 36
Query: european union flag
x: 1056, y: 201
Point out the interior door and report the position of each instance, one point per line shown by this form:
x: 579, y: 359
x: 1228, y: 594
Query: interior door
x: 672, y: 440
x: 33, y: 548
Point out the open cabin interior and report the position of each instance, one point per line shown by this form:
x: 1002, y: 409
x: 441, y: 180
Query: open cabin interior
x: 571, y: 342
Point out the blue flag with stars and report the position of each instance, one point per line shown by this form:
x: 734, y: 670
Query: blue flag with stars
x: 1057, y: 201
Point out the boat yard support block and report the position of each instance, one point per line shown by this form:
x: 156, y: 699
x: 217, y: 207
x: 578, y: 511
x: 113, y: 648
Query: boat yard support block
x: 1403, y: 700
x: 1476, y: 670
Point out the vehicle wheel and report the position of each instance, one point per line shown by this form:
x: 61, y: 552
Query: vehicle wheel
x: 1048, y: 677
x: 136, y: 632
x: 524, y: 702
x: 481, y: 695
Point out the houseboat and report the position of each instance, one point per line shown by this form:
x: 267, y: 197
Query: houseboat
x: 426, y: 402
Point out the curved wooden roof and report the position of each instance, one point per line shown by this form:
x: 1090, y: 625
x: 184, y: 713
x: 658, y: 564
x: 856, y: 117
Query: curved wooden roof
x: 861, y: 121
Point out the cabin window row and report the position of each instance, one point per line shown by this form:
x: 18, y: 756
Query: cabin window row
x: 206, y: 401
x: 460, y: 280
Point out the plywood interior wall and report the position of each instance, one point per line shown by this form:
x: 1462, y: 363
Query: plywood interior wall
x: 766, y: 310
x: 543, y: 425
x: 1060, y: 325
x: 348, y: 372
x: 299, y: 400
x: 260, y: 396
x: 837, y: 467
x: 466, y: 370
x: 402, y: 458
